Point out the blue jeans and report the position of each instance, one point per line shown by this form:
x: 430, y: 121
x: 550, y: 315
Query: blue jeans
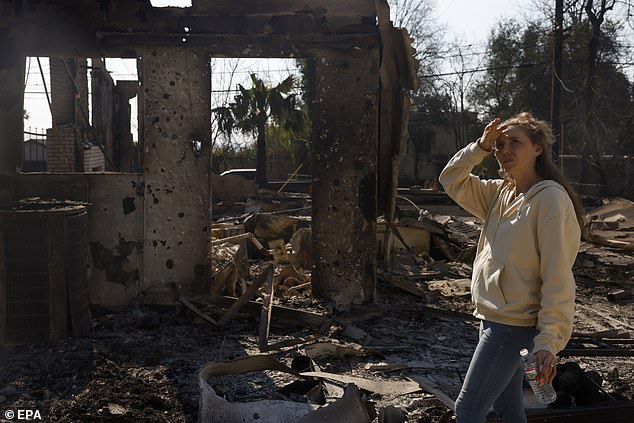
x: 495, y: 376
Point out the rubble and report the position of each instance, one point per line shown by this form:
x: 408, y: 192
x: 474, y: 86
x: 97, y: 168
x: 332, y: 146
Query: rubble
x: 399, y: 357
x: 243, y: 284
x: 196, y: 311
x: 614, y: 219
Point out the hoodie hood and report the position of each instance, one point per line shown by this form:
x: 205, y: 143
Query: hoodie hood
x: 510, y: 205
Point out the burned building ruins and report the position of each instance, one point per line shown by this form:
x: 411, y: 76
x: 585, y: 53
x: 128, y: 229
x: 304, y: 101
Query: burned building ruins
x: 150, y: 201
x: 109, y: 230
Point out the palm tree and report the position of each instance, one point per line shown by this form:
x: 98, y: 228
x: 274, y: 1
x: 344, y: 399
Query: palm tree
x: 255, y: 108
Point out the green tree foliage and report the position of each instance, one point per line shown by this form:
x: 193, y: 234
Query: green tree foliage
x: 256, y: 108
x: 288, y: 152
x: 230, y: 155
x: 518, y: 78
x: 517, y: 74
x: 597, y: 112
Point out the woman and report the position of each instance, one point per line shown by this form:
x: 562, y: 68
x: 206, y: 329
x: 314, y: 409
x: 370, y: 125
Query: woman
x: 522, y: 284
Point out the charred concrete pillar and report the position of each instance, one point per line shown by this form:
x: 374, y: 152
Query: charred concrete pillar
x: 176, y: 112
x: 11, y: 120
x: 345, y: 124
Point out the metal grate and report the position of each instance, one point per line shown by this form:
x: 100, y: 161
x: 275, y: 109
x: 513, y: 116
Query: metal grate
x: 44, y: 289
x: 76, y: 265
x: 27, y: 276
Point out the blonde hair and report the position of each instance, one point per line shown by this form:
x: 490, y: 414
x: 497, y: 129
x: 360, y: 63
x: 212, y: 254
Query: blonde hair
x: 540, y: 133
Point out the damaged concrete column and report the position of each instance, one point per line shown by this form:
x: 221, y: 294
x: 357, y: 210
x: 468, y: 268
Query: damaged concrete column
x: 344, y: 168
x: 176, y: 112
x: 11, y: 118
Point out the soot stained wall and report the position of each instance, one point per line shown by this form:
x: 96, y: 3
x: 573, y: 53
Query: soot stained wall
x: 176, y: 87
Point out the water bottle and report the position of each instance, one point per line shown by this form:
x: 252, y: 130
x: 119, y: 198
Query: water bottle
x: 545, y: 393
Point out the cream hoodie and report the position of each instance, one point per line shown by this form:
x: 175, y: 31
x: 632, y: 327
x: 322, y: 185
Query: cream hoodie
x: 522, y: 273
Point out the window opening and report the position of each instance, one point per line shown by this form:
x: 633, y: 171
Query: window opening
x: 278, y: 118
x: 80, y: 115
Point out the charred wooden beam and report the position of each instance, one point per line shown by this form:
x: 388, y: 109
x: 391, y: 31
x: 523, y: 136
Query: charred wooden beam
x: 184, y: 301
x: 265, y: 276
x: 596, y: 352
x: 267, y: 309
x: 280, y: 313
x: 291, y: 45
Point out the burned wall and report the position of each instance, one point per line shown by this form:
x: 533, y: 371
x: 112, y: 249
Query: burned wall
x: 149, y: 232
x: 11, y: 115
x: 115, y: 227
x: 345, y: 166
x: 176, y: 86
x: 116, y: 265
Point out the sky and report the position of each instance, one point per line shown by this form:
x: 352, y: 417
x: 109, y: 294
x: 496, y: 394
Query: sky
x: 472, y: 20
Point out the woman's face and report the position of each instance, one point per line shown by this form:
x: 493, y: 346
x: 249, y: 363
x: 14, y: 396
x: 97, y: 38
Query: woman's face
x: 515, y: 151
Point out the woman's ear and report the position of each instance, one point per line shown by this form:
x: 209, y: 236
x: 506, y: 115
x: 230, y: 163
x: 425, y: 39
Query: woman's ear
x: 538, y: 150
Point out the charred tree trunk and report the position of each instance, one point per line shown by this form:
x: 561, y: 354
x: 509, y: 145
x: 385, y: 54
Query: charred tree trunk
x: 260, y: 157
x: 555, y: 100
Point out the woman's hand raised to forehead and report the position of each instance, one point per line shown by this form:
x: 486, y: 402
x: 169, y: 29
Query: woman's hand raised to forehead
x: 491, y: 133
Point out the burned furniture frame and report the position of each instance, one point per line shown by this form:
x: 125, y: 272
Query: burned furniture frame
x: 161, y: 235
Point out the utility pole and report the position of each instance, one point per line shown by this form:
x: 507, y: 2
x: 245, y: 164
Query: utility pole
x: 555, y: 97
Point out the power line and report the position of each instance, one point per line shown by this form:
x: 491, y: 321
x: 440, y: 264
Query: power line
x: 520, y: 66
x: 255, y: 71
x: 213, y: 91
